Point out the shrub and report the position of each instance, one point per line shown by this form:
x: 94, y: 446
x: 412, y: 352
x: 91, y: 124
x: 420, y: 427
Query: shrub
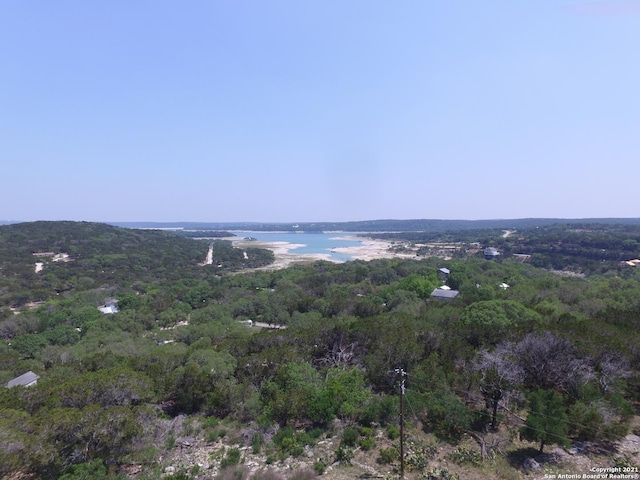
x: 367, y: 444
x: 465, y: 456
x: 419, y: 454
x: 315, y: 433
x: 388, y: 455
x: 439, y: 474
x: 344, y: 454
x: 280, y: 435
x: 291, y: 443
x: 210, y: 422
x: 319, y: 467
x: 349, y: 437
x: 393, y: 431
x: 170, y: 442
x: 257, y: 440
x: 447, y: 417
x: 380, y: 410
x: 94, y: 470
x: 231, y: 458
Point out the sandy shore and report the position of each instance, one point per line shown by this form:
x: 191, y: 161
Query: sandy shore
x: 284, y: 252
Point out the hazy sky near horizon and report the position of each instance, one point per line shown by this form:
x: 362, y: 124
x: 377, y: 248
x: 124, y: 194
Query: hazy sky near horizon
x: 319, y: 110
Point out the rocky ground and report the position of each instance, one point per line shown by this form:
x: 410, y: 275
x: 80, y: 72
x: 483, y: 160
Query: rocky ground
x: 192, y: 453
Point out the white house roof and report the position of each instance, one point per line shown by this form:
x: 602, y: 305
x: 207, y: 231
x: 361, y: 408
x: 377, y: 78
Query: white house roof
x: 109, y: 306
x: 444, y: 294
x: 25, y: 380
x: 107, y: 309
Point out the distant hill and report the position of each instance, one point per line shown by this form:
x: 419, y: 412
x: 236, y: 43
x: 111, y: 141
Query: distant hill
x: 418, y: 225
x: 83, y: 255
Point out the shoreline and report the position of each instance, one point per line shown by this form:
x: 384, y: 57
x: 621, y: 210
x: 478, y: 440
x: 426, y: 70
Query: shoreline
x: 369, y: 249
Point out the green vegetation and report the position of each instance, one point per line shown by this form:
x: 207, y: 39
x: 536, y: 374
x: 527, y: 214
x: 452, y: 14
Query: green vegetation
x: 179, y: 358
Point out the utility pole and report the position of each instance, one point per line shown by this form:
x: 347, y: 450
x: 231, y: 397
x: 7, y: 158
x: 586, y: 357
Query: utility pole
x: 402, y: 374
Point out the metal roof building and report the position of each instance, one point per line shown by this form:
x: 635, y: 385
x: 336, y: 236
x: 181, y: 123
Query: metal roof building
x: 442, y: 294
x: 25, y: 380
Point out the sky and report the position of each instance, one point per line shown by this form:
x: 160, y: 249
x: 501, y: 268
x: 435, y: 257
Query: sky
x: 319, y: 110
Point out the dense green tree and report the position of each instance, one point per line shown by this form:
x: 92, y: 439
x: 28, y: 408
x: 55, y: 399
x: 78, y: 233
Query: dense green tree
x: 445, y: 415
x: 547, y: 419
x: 109, y: 387
x: 392, y: 342
x: 191, y: 387
x: 421, y: 285
x: 488, y: 322
x: 29, y: 345
x: 219, y: 365
x: 15, y: 437
x: 94, y: 470
x: 62, y: 335
x: 74, y: 436
x: 292, y: 393
x: 343, y: 395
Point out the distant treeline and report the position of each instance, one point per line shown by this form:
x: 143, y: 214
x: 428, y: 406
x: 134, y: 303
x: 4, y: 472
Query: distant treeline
x: 579, y: 247
x: 203, y: 233
x: 418, y: 225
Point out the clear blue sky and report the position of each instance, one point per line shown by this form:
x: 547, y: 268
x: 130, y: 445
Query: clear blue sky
x: 319, y: 110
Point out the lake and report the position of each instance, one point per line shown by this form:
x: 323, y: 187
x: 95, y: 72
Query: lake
x: 313, y: 242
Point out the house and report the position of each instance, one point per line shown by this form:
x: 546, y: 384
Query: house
x: 28, y: 379
x: 443, y: 274
x: 490, y: 253
x: 109, y: 306
x: 43, y: 254
x: 444, y: 293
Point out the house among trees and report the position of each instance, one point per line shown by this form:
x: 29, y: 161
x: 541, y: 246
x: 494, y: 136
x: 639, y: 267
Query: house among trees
x: 444, y: 293
x: 28, y: 379
x: 490, y: 253
x: 109, y: 306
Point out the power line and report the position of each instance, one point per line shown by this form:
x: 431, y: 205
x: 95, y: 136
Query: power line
x: 402, y: 374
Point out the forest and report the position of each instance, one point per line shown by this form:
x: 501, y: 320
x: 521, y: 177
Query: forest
x: 531, y: 355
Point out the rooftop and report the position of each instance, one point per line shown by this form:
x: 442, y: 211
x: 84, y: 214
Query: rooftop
x: 25, y: 380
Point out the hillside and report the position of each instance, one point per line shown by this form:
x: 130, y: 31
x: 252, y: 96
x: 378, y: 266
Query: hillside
x: 83, y: 255
x: 205, y: 373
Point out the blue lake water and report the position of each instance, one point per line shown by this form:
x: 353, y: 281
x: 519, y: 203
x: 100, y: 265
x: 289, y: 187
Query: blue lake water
x: 313, y: 242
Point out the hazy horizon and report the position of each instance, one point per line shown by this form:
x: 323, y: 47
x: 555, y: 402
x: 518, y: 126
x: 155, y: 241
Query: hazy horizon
x: 319, y: 111
x: 242, y: 222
